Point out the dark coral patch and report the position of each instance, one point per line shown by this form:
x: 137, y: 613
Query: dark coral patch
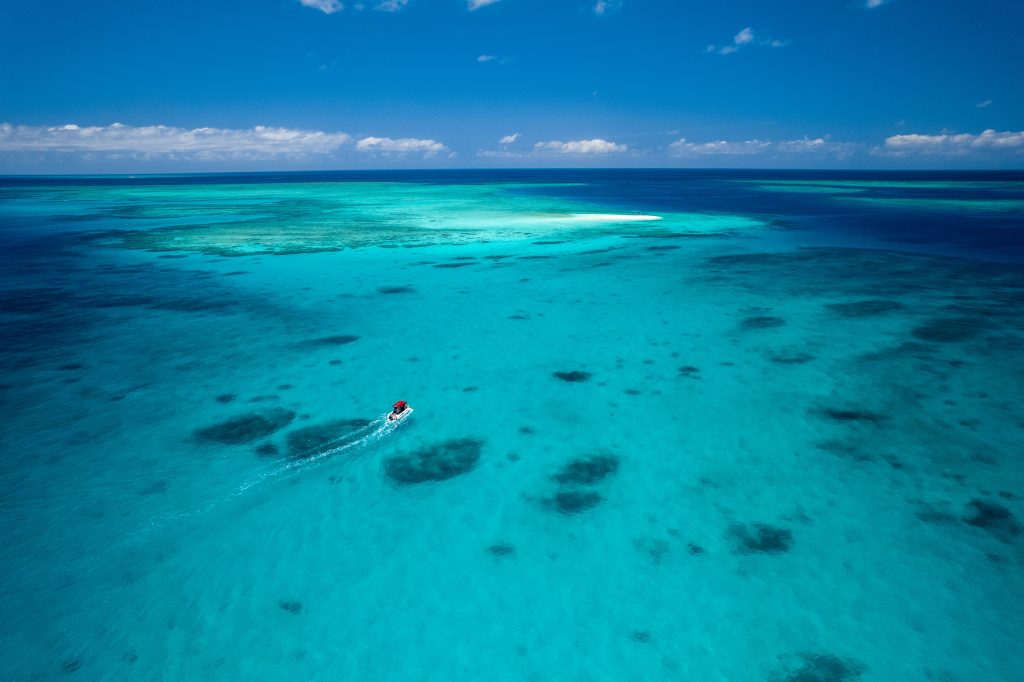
x: 71, y: 366
x: 452, y: 265
x: 470, y: 389
x: 336, y: 340
x: 247, y: 428
x: 310, y: 440
x: 573, y: 501
x: 574, y: 377
x: 502, y: 549
x: 587, y: 470
x: 155, y: 487
x: 268, y: 450
x: 949, y: 329
x: 396, y: 290
x: 662, y: 248
x: 70, y: 665
x: 225, y: 398
x: 762, y: 322
x: 760, y: 537
x: 790, y: 358
x: 642, y: 636
x: 868, y: 308
x: 292, y: 607
x: 689, y: 371
x: 437, y: 462
x: 993, y: 517
x: 826, y: 668
x: 849, y: 415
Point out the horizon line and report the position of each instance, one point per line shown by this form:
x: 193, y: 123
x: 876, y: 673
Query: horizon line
x: 151, y: 174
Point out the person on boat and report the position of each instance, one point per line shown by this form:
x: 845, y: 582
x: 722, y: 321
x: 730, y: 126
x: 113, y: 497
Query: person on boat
x: 398, y: 408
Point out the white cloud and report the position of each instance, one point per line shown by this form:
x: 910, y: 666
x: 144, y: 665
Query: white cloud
x: 499, y: 154
x: 605, y: 6
x: 872, y: 4
x: 596, y: 146
x: 400, y: 145
x: 477, y: 4
x: 982, y: 105
x: 509, y: 139
x: 392, y: 5
x: 745, y: 37
x: 486, y: 58
x: 167, y: 141
x: 684, y: 147
x: 961, y: 144
x: 806, y: 145
x: 325, y: 6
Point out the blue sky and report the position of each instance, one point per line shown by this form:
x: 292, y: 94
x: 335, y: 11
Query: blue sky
x: 119, y: 86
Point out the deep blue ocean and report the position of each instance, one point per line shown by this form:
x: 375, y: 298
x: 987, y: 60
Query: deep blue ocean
x: 669, y: 425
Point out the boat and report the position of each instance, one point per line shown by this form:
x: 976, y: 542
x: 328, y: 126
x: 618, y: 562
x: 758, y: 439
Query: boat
x: 400, y: 411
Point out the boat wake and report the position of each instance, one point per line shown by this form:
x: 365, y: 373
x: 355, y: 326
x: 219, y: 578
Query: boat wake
x: 371, y: 433
x: 352, y: 442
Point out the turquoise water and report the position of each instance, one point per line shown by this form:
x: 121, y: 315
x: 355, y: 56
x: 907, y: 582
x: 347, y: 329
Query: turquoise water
x: 667, y: 426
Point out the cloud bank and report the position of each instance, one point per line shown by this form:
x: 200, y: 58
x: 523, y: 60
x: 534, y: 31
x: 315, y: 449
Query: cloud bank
x: 392, y: 5
x: 596, y: 146
x: 818, y: 145
x: 477, y: 4
x: 325, y: 6
x: 602, y: 7
x: 743, y: 38
x: 962, y: 144
x: 402, y: 145
x: 160, y: 140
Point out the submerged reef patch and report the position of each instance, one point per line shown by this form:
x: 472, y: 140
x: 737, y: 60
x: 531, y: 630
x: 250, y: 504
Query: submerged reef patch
x: 796, y: 358
x: 823, y: 667
x: 574, y: 377
x: 246, y: 428
x: 587, y: 470
x: 839, y: 414
x: 326, y: 341
x: 267, y: 450
x: 762, y: 322
x: 156, y: 487
x: 760, y: 538
x: 437, y: 462
x: 292, y: 607
x: 311, y: 440
x: 950, y: 329
x: 868, y: 308
x: 502, y: 549
x: 396, y: 290
x: 993, y: 517
x: 573, y: 501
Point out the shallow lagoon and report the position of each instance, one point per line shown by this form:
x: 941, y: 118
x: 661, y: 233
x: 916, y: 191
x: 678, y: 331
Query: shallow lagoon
x: 765, y: 437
